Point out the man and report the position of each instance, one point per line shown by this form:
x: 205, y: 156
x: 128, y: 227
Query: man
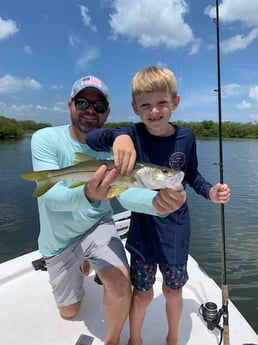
x: 76, y: 226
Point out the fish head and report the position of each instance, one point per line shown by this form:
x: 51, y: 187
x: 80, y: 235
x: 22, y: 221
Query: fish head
x: 155, y: 177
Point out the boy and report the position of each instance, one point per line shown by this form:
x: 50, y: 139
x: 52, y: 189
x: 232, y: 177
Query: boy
x: 153, y: 241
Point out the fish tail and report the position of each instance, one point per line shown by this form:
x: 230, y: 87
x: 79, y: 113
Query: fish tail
x: 43, y: 181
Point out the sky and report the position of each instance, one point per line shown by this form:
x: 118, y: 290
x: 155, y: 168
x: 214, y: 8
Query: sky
x: 46, y: 45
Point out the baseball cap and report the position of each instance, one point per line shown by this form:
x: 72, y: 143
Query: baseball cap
x: 90, y: 82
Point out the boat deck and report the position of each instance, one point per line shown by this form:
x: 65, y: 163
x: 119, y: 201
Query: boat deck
x: 29, y: 315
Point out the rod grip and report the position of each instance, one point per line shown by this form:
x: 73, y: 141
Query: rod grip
x: 225, y: 315
x: 224, y: 294
x: 226, y: 335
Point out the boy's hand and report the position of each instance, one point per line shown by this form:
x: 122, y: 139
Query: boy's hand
x: 124, y: 154
x: 220, y: 193
x: 169, y: 200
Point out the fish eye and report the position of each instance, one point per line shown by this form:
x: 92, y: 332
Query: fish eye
x: 165, y: 171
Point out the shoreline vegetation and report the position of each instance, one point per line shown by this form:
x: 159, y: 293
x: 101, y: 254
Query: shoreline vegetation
x: 14, y: 129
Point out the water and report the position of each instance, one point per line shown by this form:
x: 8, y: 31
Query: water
x: 19, y: 224
x: 241, y: 222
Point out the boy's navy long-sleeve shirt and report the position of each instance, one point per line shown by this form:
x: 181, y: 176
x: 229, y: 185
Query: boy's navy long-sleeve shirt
x: 151, y: 238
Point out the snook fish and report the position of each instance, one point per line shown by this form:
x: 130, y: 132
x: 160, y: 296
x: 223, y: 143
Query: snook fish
x: 144, y: 175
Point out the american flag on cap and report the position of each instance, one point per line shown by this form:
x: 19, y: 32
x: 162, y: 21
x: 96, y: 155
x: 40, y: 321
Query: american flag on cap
x: 90, y: 82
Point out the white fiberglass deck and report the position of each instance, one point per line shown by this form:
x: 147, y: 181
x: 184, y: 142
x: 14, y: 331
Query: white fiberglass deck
x: 29, y: 316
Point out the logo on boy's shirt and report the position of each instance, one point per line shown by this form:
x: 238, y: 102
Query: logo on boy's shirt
x: 177, y: 160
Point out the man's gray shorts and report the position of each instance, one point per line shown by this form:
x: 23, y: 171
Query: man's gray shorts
x: 101, y: 246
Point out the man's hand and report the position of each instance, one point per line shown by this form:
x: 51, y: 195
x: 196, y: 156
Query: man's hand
x: 220, y: 193
x: 169, y: 200
x: 124, y: 154
x: 99, y: 183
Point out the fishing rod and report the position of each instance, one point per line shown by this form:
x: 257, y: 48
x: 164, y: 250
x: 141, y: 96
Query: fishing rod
x: 209, y: 310
x: 225, y: 294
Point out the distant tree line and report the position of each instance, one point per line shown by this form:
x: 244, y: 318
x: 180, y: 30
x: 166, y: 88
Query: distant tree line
x: 11, y: 128
x: 210, y: 129
x: 229, y: 129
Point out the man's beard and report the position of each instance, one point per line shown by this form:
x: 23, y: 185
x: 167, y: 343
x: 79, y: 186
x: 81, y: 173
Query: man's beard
x: 86, y: 126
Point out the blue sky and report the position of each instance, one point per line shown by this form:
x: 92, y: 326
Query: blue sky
x: 47, y: 45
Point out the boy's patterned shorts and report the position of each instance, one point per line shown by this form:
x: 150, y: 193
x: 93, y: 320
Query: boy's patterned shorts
x: 143, y: 274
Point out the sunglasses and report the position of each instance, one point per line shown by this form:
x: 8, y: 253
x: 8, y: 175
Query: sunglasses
x: 84, y: 103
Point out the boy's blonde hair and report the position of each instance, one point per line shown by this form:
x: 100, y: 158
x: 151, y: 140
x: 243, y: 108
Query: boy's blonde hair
x: 154, y: 78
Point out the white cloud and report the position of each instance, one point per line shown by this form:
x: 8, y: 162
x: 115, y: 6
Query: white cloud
x: 254, y: 117
x: 58, y: 109
x: 74, y: 40
x: 86, y: 18
x: 56, y: 87
x: 239, y: 42
x: 253, y: 93
x: 230, y: 90
x: 89, y: 55
x: 27, y: 50
x: 244, y: 105
x: 39, y: 113
x: 12, y: 84
x: 41, y: 107
x: 8, y: 28
x: 152, y: 22
x: 195, y: 46
x: 236, y: 10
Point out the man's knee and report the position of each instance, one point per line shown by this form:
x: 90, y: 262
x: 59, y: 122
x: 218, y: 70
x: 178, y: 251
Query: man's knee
x: 116, y: 280
x: 70, y: 311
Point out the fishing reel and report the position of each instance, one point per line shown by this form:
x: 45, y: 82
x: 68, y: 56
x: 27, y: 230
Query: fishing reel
x: 211, y: 315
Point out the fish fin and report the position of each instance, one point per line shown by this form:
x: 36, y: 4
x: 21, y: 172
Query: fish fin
x: 76, y: 184
x: 42, y: 187
x: 115, y: 190
x: 35, y: 175
x: 82, y: 157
